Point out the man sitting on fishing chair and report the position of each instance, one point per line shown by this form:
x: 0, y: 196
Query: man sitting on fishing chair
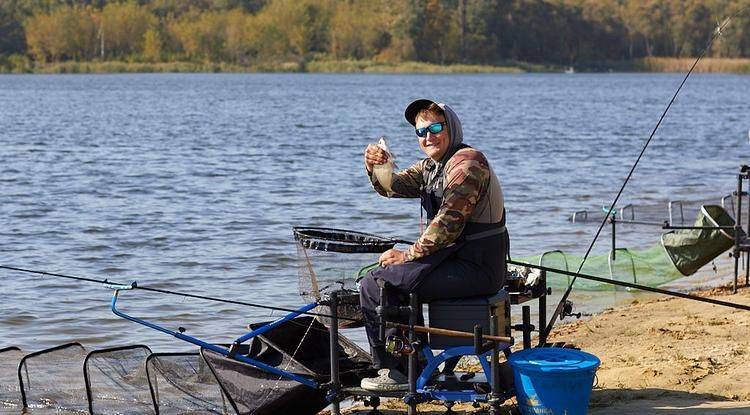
x: 461, y: 252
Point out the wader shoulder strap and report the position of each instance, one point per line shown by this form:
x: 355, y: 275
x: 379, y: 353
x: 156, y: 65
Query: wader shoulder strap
x: 485, y: 234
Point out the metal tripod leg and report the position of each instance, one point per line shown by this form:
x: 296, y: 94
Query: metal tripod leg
x: 411, y: 399
x: 333, y: 394
x: 494, y: 398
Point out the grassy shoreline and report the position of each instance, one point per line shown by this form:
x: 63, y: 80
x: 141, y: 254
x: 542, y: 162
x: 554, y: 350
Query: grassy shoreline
x: 21, y: 64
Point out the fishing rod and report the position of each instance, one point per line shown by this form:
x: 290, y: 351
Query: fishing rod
x: 561, y: 305
x: 135, y: 285
x: 635, y: 286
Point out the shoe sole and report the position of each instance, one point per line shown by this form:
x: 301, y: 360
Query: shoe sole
x: 384, y: 388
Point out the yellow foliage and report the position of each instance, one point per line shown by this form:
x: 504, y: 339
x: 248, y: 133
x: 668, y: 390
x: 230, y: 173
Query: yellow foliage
x: 240, y: 36
x: 66, y: 32
x: 294, y: 27
x: 201, y: 35
x: 152, y: 46
x: 123, y: 27
x: 359, y: 29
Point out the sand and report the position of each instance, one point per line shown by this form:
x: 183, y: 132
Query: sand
x: 660, y: 356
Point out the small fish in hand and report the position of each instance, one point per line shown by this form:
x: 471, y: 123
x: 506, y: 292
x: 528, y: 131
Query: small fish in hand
x: 384, y: 172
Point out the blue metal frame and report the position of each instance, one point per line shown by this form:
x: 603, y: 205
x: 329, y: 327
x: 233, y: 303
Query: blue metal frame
x: 223, y: 350
x: 433, y: 361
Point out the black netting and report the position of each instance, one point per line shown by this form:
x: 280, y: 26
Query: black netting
x: 117, y: 381
x: 254, y: 391
x: 308, y: 341
x: 53, y: 379
x: 349, y: 309
x: 323, y: 269
x: 10, y: 392
x: 339, y: 240
x: 300, y: 346
x: 182, y: 383
x: 123, y: 380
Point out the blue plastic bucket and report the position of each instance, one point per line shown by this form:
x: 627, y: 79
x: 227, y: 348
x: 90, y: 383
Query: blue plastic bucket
x: 553, y: 381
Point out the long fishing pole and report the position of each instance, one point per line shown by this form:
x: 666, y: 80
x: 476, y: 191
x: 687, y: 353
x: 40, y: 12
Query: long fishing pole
x: 424, y: 329
x: 170, y: 292
x: 561, y: 305
x: 635, y: 286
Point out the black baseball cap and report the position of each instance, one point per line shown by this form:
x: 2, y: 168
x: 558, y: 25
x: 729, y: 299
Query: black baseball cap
x: 413, y: 109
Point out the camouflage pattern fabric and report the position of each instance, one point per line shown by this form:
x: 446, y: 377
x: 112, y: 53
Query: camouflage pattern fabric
x: 467, y: 177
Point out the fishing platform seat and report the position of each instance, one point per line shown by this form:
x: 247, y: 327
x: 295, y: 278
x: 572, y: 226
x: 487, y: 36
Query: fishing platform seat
x: 463, y: 314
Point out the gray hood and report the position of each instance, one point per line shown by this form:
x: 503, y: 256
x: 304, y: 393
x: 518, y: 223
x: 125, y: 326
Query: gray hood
x: 454, y: 125
x: 434, y: 170
x: 455, y: 131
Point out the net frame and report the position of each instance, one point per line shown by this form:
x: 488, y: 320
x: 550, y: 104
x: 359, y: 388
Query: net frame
x: 152, y: 373
x: 317, y: 282
x: 23, y: 364
x: 341, y: 240
x: 10, y: 394
x: 93, y: 354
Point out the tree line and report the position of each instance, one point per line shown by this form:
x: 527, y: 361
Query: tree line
x: 245, y: 32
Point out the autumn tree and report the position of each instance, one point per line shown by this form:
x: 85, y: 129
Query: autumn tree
x: 123, y: 28
x: 67, y: 32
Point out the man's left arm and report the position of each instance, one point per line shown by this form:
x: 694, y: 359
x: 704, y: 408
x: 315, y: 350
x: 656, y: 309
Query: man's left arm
x: 466, y: 177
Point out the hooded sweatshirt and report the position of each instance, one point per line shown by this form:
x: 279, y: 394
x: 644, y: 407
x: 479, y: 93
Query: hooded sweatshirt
x: 471, y: 191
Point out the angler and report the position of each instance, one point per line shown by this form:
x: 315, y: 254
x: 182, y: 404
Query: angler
x: 457, y: 253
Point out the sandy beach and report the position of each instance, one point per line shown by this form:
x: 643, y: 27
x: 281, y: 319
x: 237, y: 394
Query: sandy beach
x: 659, y: 356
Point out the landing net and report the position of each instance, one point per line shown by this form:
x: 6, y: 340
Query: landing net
x: 129, y: 380
x: 331, y: 260
x: 116, y: 381
x: 10, y: 391
x: 182, y: 383
x: 53, y: 379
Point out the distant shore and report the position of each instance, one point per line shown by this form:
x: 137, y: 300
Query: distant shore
x: 21, y: 64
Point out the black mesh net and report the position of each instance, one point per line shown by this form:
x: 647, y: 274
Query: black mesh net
x: 331, y: 260
x: 300, y: 346
x: 53, y: 379
x: 117, y: 382
x: 121, y: 380
x: 182, y: 383
x: 339, y: 240
x: 10, y: 392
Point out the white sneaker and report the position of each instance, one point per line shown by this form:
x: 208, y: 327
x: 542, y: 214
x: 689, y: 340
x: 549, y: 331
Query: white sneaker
x: 386, y: 381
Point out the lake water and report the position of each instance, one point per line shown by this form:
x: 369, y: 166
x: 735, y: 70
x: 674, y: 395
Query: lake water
x: 192, y: 182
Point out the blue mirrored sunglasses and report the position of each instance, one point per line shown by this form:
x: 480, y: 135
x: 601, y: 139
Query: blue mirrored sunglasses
x: 433, y: 128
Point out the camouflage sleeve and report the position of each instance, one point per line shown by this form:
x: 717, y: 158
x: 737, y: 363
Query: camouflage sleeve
x: 406, y: 183
x: 467, y: 177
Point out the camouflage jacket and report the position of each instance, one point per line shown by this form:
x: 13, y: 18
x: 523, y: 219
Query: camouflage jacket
x: 467, y: 180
